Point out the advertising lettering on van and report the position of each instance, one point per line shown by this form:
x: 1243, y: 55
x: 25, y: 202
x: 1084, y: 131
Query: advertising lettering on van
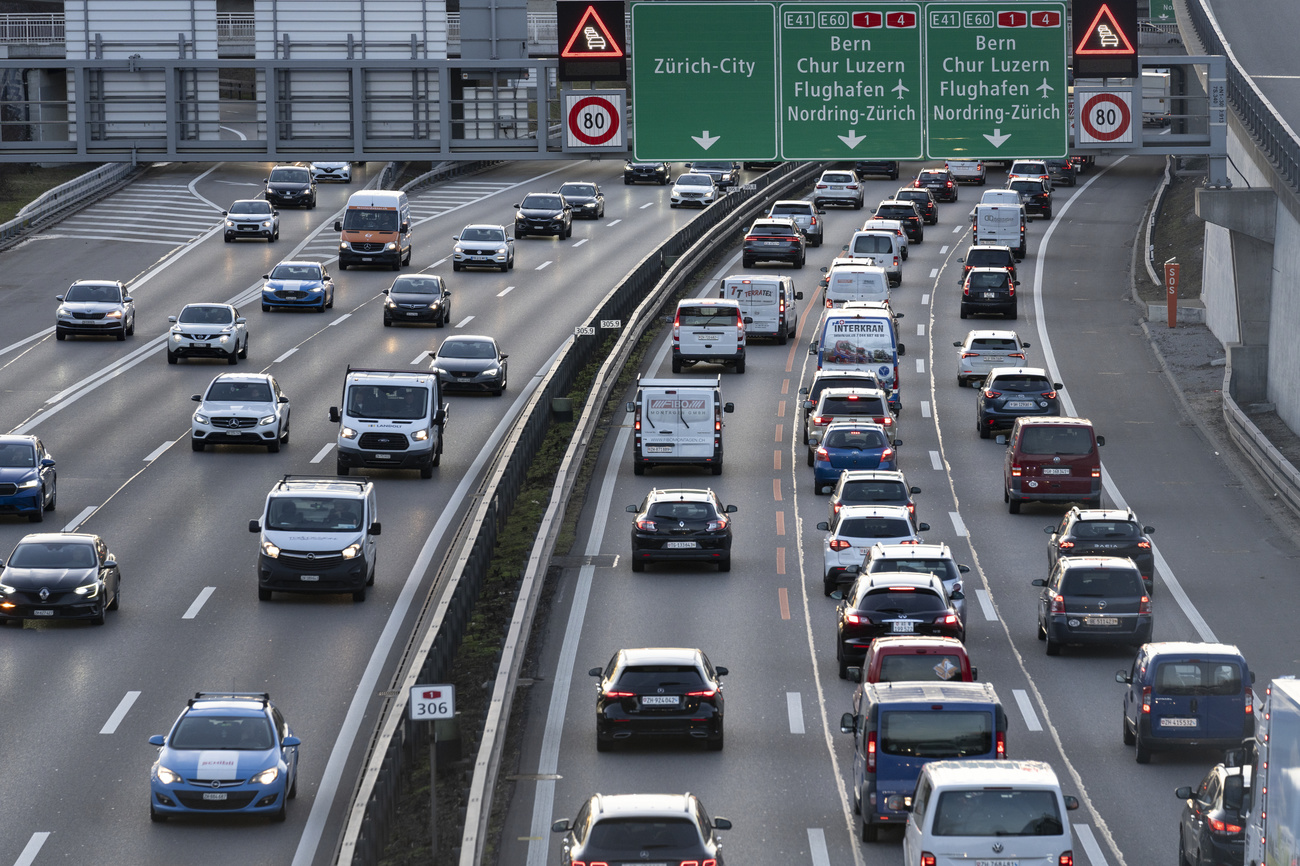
x: 661, y: 403
x: 858, y: 327
x: 754, y: 292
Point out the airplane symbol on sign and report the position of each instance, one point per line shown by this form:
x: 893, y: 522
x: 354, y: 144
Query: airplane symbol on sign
x: 900, y: 89
x: 1045, y: 88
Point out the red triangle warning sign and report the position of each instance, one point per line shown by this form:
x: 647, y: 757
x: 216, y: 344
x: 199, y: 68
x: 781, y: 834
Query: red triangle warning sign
x: 1104, y: 36
x: 590, y: 39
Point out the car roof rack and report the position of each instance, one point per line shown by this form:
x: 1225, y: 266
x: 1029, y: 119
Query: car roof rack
x: 263, y: 697
x: 331, y: 479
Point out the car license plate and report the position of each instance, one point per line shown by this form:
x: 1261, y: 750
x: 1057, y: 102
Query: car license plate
x: 481, y: 258
x: 1020, y: 404
x: 990, y: 294
x: 43, y: 613
x: 1055, y: 471
x: 901, y: 626
x: 1178, y: 723
x: 200, y: 345
x: 309, y: 578
x: 659, y: 700
x: 412, y: 314
x: 997, y: 863
x: 383, y: 457
x: 234, y: 432
x: 214, y: 795
x: 771, y: 243
x: 681, y: 545
x: 1101, y: 620
x: 658, y: 449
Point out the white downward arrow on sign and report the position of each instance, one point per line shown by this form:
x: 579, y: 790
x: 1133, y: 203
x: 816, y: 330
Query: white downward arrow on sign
x: 997, y: 139
x: 852, y: 139
x: 705, y: 141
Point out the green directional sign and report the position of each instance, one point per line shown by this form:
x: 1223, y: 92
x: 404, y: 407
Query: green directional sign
x: 1162, y: 12
x: 704, y: 81
x: 996, y: 80
x: 850, y: 80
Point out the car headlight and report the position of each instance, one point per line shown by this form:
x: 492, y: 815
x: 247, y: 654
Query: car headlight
x: 352, y: 551
x: 201, y: 418
x: 348, y: 433
x: 494, y: 370
x: 166, y: 776
x: 270, y: 551
x: 265, y: 420
x: 28, y: 485
x: 176, y: 336
x: 266, y: 224
x: 64, y: 313
x: 224, y: 338
x: 458, y: 250
x: 420, y: 435
x: 392, y: 246
x: 6, y: 589
x: 390, y: 304
x: 113, y: 314
x: 89, y: 590
x: 343, y: 245
x: 315, y: 290
x: 230, y: 223
x: 266, y: 777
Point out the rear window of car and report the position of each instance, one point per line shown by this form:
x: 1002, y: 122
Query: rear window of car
x: 859, y: 439
x: 872, y: 245
x: 874, y: 527
x: 717, y: 317
x: 912, y: 667
x: 617, y: 836
x: 821, y: 385
x: 886, y: 599
x: 933, y: 175
x: 997, y: 813
x: 989, y: 281
x: 1197, y: 678
x: 866, y: 491
x: 1101, y: 583
x: 682, y: 511
x: 1021, y: 382
x: 896, y: 211
x: 1030, y: 186
x: 873, y: 406
x: 1068, y: 441
x: 989, y: 259
x: 793, y: 209
x: 940, y: 568
x: 772, y: 229
x: 1105, y: 529
x: 838, y: 178
x: 667, y: 677
x: 994, y: 344
x: 929, y: 734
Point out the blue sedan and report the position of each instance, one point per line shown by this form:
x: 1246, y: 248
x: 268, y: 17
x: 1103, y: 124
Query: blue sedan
x: 27, y: 477
x: 851, y: 445
x: 228, y: 753
x: 298, y: 284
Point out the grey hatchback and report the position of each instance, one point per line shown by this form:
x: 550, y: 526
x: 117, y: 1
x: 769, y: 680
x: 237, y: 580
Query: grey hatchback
x: 1093, y: 600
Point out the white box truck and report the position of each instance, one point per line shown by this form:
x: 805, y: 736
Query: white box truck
x: 1155, y: 98
x: 677, y: 421
x: 390, y: 419
x: 1273, y: 825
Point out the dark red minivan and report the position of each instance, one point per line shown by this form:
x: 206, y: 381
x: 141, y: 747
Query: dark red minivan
x: 1051, y: 460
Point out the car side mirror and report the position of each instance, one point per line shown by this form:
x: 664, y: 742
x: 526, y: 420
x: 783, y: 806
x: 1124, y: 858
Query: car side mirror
x: 157, y: 740
x: 338, y: 227
x: 728, y: 407
x: 516, y: 204
x: 266, y: 276
x: 197, y: 398
x: 290, y: 742
x: 902, y: 350
x: 913, y: 490
x: 560, y: 826
x: 1050, y: 530
x: 631, y: 509
x: 798, y: 296
x: 1057, y: 385
x: 283, y: 399
x: 923, y: 527
x: 1252, y: 678
x: 375, y: 528
x: 1039, y: 581
x: 595, y: 672
x: 1071, y: 803
x: 1001, y: 440
x: 406, y: 227
x: 721, y: 671
x: 46, y: 462
x: 504, y: 356
x: 974, y: 673
x: 1123, y: 677
x: 1025, y: 345
x: 1101, y: 440
x: 453, y: 237
x: 957, y: 596
x: 806, y: 404
x: 812, y: 350
x: 1185, y: 793
x: 824, y: 526
x: 629, y: 407
x: 128, y: 300
x: 848, y: 724
x: 855, y: 673
x: 334, y: 414
x: 254, y: 526
x: 240, y: 321
x: 838, y: 595
x: 749, y: 320
x: 730, y: 509
x: 963, y: 569
x: 957, y: 344
x: 721, y: 824
x: 1148, y: 529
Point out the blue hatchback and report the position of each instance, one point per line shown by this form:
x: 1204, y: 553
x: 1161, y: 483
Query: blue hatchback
x: 851, y: 445
x: 229, y: 752
x: 298, y: 284
x: 27, y: 477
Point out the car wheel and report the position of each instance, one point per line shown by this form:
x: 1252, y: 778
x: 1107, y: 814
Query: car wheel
x: 1013, y: 505
x: 857, y: 205
x: 266, y: 308
x: 244, y: 352
x: 60, y: 335
x: 828, y: 586
x: 116, y: 603
x: 293, y: 789
x: 505, y: 267
x: 99, y: 618
x: 275, y: 236
x: 1129, y: 739
x: 510, y: 265
x: 783, y: 336
x: 227, y: 238
x: 197, y: 445
x: 54, y: 500
x: 1047, y: 214
x: 37, y: 516
x: 724, y: 564
x: 746, y: 262
x: 905, y: 253
x: 278, y: 816
x: 359, y: 595
x: 172, y: 357
x: 811, y: 456
x: 1182, y: 849
x: 455, y: 266
x: 263, y: 594
x: 437, y: 455
x: 844, y: 668
x: 340, y: 468
x: 677, y: 365
x: 156, y: 816
x: 426, y: 472
x: 985, y: 431
x: 273, y: 447
x: 343, y: 266
x: 638, y: 468
x: 740, y: 366
x: 1053, y: 648
x: 672, y: 204
x: 715, y: 743
x: 397, y: 263
x: 121, y: 334
x: 233, y: 358
x: 715, y: 468
x: 870, y: 832
x: 963, y: 312
x: 1143, y: 754
x: 603, y: 745
x: 638, y: 565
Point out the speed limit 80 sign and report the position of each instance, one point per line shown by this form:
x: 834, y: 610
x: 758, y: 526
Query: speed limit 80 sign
x: 593, y: 120
x: 1105, y: 117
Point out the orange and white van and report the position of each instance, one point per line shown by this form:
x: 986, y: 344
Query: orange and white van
x: 375, y: 229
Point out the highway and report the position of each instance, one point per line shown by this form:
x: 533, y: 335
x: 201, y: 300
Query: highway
x: 1223, y: 571
x: 82, y: 701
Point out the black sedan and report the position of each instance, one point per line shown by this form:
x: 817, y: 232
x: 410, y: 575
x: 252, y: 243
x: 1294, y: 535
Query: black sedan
x: 469, y: 362
x: 417, y: 298
x: 1103, y: 532
x: 1009, y: 393
x: 659, y: 691
x: 647, y: 172
x: 59, y: 575
x: 586, y: 199
x: 891, y: 603
x: 680, y: 524
x: 543, y: 213
x: 774, y: 239
x: 1211, y: 829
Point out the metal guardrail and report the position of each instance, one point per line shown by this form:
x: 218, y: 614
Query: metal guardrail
x: 435, y: 642
x: 65, y: 196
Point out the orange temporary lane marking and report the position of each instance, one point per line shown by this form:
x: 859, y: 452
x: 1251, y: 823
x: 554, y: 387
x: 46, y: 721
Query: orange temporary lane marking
x: 784, y: 598
x: 780, y: 409
x: 785, y: 386
x: 776, y: 489
x: 780, y: 560
x: 780, y: 523
x: 778, y: 432
x: 795, y: 343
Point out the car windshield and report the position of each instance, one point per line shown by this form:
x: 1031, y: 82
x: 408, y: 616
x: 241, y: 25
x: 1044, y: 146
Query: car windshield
x: 994, y: 344
x: 912, y: 667
x: 17, y: 455
x: 363, y: 219
x: 578, y: 190
x: 206, y: 316
x: 314, y: 514
x: 907, y: 601
x: 296, y: 272
x: 542, y: 202
x: 927, y: 734
x: 400, y: 402
x: 416, y: 286
x: 1021, y: 383
x: 239, y: 733
x: 987, y: 280
x: 262, y: 208
x: 473, y: 234
x: 1100, y: 583
x: 290, y: 175
x: 997, y: 812
x: 617, y: 837
x: 1107, y: 529
x: 466, y: 349
x: 711, y: 166
x: 1065, y: 441
x: 99, y: 293
x: 238, y: 392
x: 706, y: 316
x: 664, y: 678
x: 53, y: 554
x: 1190, y: 678
x: 694, y: 180
x: 874, y: 527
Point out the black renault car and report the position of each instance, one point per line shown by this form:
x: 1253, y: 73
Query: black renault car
x: 416, y: 298
x: 659, y: 691
x: 543, y: 213
x: 291, y: 185
x: 681, y: 525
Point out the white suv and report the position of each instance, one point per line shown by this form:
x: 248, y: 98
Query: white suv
x: 208, y: 331
x: 241, y: 409
x: 854, y: 531
x: 838, y: 187
x: 1034, y: 169
x: 933, y: 559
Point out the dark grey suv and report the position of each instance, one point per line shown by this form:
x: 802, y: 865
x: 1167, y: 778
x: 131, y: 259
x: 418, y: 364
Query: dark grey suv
x: 1093, y: 600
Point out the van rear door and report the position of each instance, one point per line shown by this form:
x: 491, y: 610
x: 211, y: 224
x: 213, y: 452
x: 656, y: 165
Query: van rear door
x: 1058, y: 459
x: 677, y: 423
x: 1197, y: 697
x: 707, y: 330
x: 759, y: 299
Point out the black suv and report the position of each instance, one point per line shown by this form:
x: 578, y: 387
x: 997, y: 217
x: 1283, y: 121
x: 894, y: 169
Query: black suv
x: 1062, y: 171
x: 1212, y: 827
x: 725, y: 173
x: 661, y: 690
x: 938, y: 181
x: 1034, y: 195
x: 681, y: 524
x: 543, y: 213
x: 987, y: 256
x: 627, y: 828
x: 891, y: 603
x: 1103, y: 532
x: 988, y: 290
x: 924, y: 201
x: 1093, y: 600
x: 774, y: 239
x: 654, y: 172
x: 887, y: 167
x: 1009, y: 393
x: 291, y: 185
x: 906, y: 213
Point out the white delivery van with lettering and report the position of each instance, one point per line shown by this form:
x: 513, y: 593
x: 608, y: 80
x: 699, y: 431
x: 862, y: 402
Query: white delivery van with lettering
x: 1000, y: 225
x: 678, y: 421
x: 846, y: 283
x: 861, y: 339
x: 768, y: 301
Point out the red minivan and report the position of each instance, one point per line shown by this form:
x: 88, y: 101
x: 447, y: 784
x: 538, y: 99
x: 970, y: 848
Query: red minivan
x: 1051, y: 460
x: 915, y: 657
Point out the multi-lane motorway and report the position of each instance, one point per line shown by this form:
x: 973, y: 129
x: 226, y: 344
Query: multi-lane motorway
x: 1223, y: 571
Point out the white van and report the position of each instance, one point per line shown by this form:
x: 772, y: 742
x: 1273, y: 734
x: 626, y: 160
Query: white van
x: 1013, y: 810
x: 883, y: 247
x: 709, y: 330
x: 895, y: 226
x: 1000, y: 225
x: 861, y: 339
x: 317, y: 535
x: 390, y: 419
x: 846, y: 283
x: 375, y: 229
x: 766, y: 303
x: 677, y: 421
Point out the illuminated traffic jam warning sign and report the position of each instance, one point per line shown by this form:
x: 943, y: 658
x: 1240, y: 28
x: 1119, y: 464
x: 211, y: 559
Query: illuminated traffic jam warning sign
x: 593, y: 40
x: 1105, y: 36
x: 995, y: 80
x: 850, y: 80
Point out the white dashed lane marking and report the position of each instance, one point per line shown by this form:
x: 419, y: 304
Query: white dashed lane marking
x: 934, y: 272
x: 614, y: 223
x: 31, y: 849
x: 935, y: 462
x: 925, y: 408
x: 817, y: 847
x: 920, y: 330
x: 646, y: 205
x: 1095, y: 857
x: 581, y: 242
x: 285, y: 355
x: 123, y: 707
x: 504, y: 292
x: 986, y: 605
x: 321, y: 454
x: 920, y: 365
x: 925, y: 300
x: 420, y: 357
x: 204, y: 595
x: 794, y: 708
x: 543, y: 265
x: 1027, y: 709
x: 958, y: 525
x: 159, y: 451
x: 339, y: 319
x: 80, y: 518
x: 465, y: 321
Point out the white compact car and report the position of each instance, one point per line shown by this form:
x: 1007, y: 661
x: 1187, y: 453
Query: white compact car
x: 241, y: 409
x: 335, y: 171
x: 838, y: 187
x: 694, y: 188
x: 208, y: 331
x: 857, y: 528
x: 483, y: 246
x: 983, y: 351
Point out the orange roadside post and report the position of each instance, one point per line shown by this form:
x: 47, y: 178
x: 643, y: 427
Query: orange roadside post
x: 1171, y: 288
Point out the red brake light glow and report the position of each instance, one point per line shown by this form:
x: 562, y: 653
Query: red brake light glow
x: 871, y: 752
x: 1058, y: 604
x: 990, y: 394
x: 1050, y: 395
x: 1002, y: 745
x: 616, y: 694
x: 839, y: 544
x: 1146, y: 700
x: 645, y: 525
x: 1065, y: 545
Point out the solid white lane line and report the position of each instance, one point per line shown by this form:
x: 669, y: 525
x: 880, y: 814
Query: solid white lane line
x: 504, y: 292
x: 159, y: 451
x: 614, y: 223
x: 285, y: 355
x: 794, y: 709
x: 465, y: 321
x: 925, y: 408
x: 204, y: 595
x: 339, y: 319
x: 920, y: 365
x: 957, y: 524
x: 1095, y: 857
x: 920, y: 330
x: 581, y: 242
x: 543, y: 265
x: 646, y: 205
x: 420, y: 358
x: 986, y: 605
x: 321, y: 454
x: 120, y: 713
x: 925, y: 300
x: 934, y: 272
x: 25, y: 340
x: 31, y: 849
x: 935, y: 463
x: 1027, y: 710
x: 943, y: 250
x: 80, y: 518
x: 817, y: 847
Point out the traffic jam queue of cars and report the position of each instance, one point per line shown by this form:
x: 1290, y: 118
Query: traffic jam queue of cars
x: 930, y: 749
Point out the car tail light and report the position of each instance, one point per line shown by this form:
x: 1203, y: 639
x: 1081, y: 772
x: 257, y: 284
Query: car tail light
x: 871, y: 752
x: 949, y: 184
x: 819, y: 420
x: 887, y: 454
x: 896, y: 379
x: 972, y: 355
x: 740, y: 328
x: 927, y: 859
x: 1058, y: 604
x: 1096, y: 473
x: 840, y: 544
x: 911, y: 508
x: 1144, y: 606
x: 835, y: 507
x: 1250, y: 700
x: 718, y: 525
x: 851, y: 186
x: 1066, y: 859
x: 814, y: 221
x: 885, y: 422
x: 677, y: 329
x: 1011, y: 290
x: 1065, y: 545
x: 703, y: 693
x: 1146, y: 700
x: 1020, y: 355
x: 1002, y: 745
x: 1050, y: 395
x: 646, y: 525
x: 917, y: 183
x: 617, y: 694
x: 965, y: 289
x: 1015, y: 471
x: 946, y: 619
x: 782, y: 307
x: 857, y: 619
x: 823, y: 454
x: 990, y: 394
x: 1224, y: 828
x: 821, y: 186
x: 829, y: 304
x: 1144, y: 545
